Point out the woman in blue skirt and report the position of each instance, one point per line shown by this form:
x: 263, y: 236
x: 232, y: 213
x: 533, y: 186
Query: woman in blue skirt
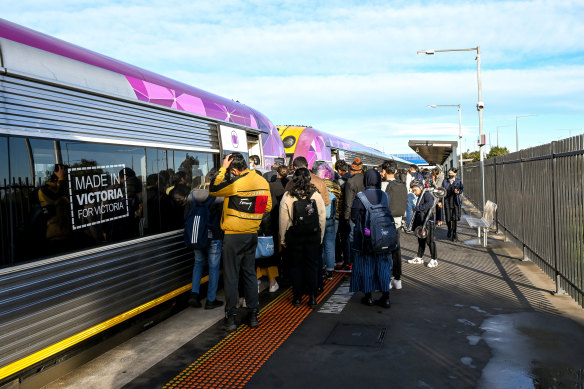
x: 371, y: 272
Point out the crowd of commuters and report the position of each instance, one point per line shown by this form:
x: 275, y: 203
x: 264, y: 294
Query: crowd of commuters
x: 318, y: 221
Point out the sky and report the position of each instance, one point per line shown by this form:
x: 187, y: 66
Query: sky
x: 350, y: 67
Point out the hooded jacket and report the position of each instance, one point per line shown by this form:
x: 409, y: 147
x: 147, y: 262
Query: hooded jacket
x: 247, y: 197
x: 373, y: 192
x: 200, y: 196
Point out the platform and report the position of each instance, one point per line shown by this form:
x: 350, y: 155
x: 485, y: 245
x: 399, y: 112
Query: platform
x: 482, y: 318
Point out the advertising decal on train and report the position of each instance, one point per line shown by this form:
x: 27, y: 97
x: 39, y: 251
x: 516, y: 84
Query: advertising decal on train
x: 97, y: 194
x: 233, y: 140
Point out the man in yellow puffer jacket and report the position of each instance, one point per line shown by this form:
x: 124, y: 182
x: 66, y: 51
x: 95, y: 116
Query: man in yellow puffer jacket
x: 247, y: 197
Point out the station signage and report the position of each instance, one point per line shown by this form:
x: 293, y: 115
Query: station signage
x: 97, y: 194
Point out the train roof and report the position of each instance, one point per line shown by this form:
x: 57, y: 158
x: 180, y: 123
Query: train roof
x: 135, y: 83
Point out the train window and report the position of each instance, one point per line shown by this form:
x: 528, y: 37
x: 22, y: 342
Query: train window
x: 4, y: 204
x: 68, y: 196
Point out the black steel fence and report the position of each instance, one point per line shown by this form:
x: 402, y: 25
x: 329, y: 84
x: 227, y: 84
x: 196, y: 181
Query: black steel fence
x: 539, y: 194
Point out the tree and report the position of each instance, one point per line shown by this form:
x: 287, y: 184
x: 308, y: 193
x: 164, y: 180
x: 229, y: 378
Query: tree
x: 474, y: 155
x: 497, y: 151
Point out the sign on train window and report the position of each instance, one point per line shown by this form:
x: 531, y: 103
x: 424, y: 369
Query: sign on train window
x: 233, y: 140
x: 98, y: 194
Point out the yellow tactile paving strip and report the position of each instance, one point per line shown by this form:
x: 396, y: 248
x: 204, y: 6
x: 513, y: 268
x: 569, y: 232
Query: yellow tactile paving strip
x: 233, y: 361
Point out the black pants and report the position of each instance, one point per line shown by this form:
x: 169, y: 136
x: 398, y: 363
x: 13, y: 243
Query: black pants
x: 343, y: 244
x: 239, y: 256
x: 396, y: 258
x: 429, y: 240
x: 452, y: 225
x: 305, y: 256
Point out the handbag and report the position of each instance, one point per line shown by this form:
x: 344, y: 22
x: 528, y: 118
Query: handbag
x: 265, y: 247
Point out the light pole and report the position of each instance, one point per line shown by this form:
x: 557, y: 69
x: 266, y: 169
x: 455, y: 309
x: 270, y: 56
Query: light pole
x: 517, y: 130
x: 480, y: 106
x: 459, y: 129
x: 507, y: 125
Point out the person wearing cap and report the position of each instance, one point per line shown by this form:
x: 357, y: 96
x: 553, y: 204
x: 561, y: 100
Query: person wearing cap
x: 353, y: 186
x: 424, y: 205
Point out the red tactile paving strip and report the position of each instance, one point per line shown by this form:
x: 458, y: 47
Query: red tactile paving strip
x: 233, y: 361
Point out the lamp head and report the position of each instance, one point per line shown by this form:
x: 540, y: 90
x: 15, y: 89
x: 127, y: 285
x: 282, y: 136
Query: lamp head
x: 427, y: 52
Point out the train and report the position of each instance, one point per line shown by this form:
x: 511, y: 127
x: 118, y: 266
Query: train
x: 96, y: 157
x: 316, y: 145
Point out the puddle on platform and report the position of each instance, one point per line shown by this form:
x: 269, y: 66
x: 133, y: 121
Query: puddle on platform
x: 533, y: 350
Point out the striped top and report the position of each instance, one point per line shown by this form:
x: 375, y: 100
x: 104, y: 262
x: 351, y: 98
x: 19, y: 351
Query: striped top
x: 336, y: 190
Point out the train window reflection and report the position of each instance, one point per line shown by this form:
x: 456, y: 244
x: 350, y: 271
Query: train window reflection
x: 5, y: 257
x: 68, y: 196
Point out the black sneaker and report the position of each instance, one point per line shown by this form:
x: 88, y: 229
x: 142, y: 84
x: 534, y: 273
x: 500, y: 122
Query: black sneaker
x: 328, y: 275
x: 367, y: 301
x: 229, y: 323
x: 383, y: 302
x: 213, y: 304
x: 194, y: 300
x: 253, y: 318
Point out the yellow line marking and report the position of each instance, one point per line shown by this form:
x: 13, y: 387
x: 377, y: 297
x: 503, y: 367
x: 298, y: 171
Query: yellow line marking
x: 47, y: 352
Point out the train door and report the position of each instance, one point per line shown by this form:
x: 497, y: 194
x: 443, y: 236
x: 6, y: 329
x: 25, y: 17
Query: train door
x: 254, y: 147
x: 334, y: 156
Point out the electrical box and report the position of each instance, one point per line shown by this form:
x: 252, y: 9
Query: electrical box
x: 482, y: 140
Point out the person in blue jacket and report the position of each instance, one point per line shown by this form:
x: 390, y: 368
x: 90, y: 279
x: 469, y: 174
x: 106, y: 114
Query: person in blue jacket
x: 452, y: 202
x: 371, y: 272
x: 424, y: 205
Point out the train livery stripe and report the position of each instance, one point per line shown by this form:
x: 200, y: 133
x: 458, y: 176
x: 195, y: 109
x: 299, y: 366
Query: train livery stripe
x: 47, y: 352
x: 234, y: 360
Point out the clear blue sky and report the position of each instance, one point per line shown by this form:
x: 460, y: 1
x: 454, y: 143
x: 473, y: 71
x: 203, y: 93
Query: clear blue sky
x: 350, y: 67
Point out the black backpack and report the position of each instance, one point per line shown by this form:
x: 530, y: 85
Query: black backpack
x: 305, y: 217
x: 383, y: 235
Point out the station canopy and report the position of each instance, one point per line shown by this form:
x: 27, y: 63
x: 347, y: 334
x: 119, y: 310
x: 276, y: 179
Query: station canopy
x: 435, y: 152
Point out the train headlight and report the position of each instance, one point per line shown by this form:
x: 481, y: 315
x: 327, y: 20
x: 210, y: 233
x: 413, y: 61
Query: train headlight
x: 289, y: 141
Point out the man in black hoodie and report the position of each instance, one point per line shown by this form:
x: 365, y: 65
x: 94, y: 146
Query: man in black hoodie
x: 353, y: 186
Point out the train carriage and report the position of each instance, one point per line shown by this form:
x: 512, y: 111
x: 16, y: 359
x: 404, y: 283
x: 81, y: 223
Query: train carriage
x: 96, y: 157
x: 316, y: 145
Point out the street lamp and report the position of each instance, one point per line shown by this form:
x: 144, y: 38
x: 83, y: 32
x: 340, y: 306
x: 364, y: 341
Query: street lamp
x: 480, y: 106
x: 507, y: 125
x: 459, y: 129
x: 517, y: 130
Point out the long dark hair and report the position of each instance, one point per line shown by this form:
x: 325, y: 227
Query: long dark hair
x: 302, y: 187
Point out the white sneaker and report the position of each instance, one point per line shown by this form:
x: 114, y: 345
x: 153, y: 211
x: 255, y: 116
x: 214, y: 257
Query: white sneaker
x: 274, y: 287
x: 416, y: 260
x: 395, y: 284
x: 433, y: 263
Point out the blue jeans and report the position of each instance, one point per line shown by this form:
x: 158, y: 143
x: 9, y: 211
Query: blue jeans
x: 328, y: 243
x: 409, y: 209
x: 212, y: 256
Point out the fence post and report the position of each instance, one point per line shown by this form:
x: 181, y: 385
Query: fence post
x: 559, y: 291
x: 495, y: 190
x: 524, y: 258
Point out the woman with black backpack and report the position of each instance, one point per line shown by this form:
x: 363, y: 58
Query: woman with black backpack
x: 374, y: 238
x: 302, y: 226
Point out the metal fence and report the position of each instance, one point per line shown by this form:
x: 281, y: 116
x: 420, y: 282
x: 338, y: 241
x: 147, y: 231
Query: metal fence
x: 539, y: 194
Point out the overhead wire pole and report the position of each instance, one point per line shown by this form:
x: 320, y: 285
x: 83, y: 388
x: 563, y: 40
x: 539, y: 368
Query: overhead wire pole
x: 480, y: 106
x: 459, y: 130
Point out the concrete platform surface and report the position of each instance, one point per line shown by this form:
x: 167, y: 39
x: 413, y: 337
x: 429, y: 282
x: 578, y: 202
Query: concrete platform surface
x: 482, y: 318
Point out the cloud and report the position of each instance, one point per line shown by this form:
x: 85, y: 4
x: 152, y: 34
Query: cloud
x: 304, y: 38
x: 348, y: 66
